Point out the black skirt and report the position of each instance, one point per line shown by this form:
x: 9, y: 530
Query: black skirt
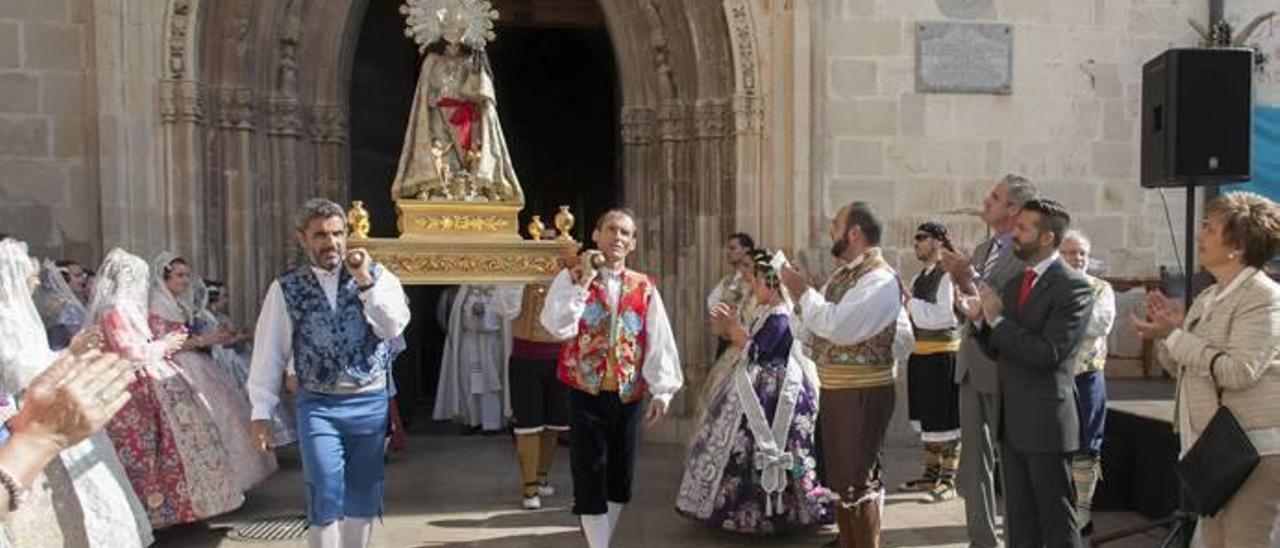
x: 933, y: 398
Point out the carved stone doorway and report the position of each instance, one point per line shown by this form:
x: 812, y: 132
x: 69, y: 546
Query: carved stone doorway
x: 246, y: 109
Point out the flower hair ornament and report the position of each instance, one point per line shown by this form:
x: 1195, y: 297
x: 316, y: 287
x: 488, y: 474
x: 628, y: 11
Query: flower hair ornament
x: 469, y: 22
x: 769, y: 265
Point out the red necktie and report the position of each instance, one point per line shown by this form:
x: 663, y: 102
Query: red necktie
x: 1028, y: 279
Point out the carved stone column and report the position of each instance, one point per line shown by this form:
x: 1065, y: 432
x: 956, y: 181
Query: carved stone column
x: 638, y: 153
x: 285, y: 129
x: 182, y: 116
x: 234, y: 168
x: 329, y: 138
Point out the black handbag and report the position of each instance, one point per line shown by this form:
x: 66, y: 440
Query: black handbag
x: 1219, y: 461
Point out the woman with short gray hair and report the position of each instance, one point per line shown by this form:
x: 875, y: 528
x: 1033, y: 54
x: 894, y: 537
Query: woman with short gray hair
x: 1225, y: 351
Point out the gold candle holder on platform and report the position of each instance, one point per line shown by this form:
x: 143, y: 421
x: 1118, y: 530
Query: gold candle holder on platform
x: 564, y: 223
x: 358, y: 219
x: 536, y: 228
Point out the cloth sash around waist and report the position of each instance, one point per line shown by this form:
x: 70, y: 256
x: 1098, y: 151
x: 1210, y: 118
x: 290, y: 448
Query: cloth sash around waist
x: 925, y: 348
x: 376, y: 385
x: 844, y: 377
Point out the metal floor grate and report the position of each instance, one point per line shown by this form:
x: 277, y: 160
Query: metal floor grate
x: 286, y: 527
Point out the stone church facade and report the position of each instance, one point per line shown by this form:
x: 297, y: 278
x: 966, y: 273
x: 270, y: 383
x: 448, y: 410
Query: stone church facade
x: 199, y: 125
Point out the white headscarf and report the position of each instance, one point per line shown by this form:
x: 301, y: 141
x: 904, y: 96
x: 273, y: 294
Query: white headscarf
x: 55, y: 300
x: 200, y: 304
x: 24, y: 346
x: 174, y: 308
x: 121, y: 284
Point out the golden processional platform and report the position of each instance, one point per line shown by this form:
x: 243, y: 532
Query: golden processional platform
x: 448, y: 242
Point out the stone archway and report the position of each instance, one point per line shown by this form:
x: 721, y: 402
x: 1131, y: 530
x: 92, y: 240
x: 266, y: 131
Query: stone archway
x: 249, y: 117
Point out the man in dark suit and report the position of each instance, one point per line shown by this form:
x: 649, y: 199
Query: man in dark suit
x: 1032, y: 327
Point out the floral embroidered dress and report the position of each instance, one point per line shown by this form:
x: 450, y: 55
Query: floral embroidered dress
x: 230, y: 408
x: 229, y: 403
x: 734, y: 479
x: 165, y: 435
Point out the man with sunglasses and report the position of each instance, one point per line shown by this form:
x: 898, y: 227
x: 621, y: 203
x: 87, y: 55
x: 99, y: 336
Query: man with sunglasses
x: 933, y: 397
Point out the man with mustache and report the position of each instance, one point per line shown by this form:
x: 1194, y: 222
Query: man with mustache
x: 338, y: 319
x: 618, y: 348
x: 860, y: 331
x: 1033, y: 327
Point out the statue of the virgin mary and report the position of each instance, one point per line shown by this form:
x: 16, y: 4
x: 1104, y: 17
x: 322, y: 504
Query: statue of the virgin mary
x: 454, y: 149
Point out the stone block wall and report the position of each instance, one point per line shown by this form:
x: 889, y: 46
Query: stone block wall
x: 48, y: 189
x: 1071, y: 123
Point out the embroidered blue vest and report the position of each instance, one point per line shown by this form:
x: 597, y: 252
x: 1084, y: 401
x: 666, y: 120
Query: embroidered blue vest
x: 332, y: 347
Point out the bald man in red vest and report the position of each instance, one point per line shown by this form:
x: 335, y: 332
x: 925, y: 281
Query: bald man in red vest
x: 618, y: 348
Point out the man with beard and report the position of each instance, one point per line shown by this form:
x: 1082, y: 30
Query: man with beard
x: 336, y: 318
x: 933, y: 399
x: 993, y: 262
x: 1033, y: 327
x: 618, y: 347
x: 856, y: 321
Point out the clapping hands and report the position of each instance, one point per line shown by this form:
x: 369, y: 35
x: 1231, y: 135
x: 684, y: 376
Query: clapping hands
x: 173, y: 342
x: 724, y: 322
x: 795, y: 281
x: 73, y: 398
x: 1166, y: 315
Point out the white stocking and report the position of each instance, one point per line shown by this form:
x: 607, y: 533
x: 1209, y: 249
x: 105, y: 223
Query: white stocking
x: 596, y: 528
x: 615, y: 511
x: 356, y: 532
x: 326, y: 536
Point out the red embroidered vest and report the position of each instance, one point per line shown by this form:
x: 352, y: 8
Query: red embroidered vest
x: 609, y: 350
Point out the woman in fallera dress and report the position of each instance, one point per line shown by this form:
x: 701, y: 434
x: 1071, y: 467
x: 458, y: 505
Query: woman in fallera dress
x: 165, y: 436
x: 85, y: 490
x: 171, y: 311
x: 750, y: 466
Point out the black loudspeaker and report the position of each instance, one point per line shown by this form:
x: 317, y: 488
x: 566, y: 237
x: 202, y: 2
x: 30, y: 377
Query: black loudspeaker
x: 1196, y: 117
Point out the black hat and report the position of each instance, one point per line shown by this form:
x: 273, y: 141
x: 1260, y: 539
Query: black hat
x: 934, y: 229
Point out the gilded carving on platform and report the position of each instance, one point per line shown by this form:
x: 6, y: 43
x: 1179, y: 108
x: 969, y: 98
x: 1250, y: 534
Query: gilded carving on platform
x: 462, y: 223
x: 412, y: 265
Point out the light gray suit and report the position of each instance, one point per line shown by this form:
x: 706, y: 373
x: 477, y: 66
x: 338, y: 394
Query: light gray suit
x: 980, y: 406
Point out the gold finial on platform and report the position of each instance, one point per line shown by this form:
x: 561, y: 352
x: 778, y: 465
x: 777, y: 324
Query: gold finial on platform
x: 564, y: 223
x: 535, y: 228
x: 358, y: 219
